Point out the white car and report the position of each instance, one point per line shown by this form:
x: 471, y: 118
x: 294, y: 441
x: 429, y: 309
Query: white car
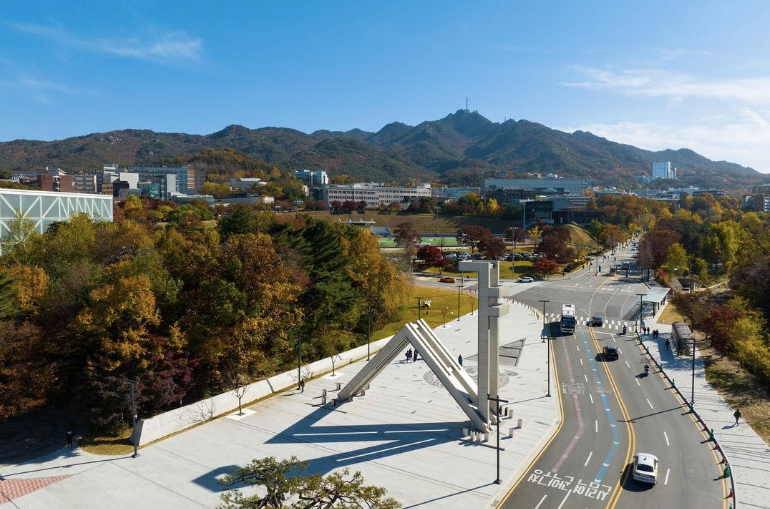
x: 525, y: 279
x: 645, y: 468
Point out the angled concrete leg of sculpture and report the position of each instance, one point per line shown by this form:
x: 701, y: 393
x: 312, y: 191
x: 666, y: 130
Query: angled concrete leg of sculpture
x: 454, y: 378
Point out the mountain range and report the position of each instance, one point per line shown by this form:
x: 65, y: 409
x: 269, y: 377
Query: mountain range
x: 459, y: 149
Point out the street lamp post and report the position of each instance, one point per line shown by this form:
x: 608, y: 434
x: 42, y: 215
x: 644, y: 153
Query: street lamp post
x: 641, y: 306
x: 546, y: 336
x: 459, y: 294
x: 497, y: 413
x: 132, y: 383
x: 419, y: 308
x: 299, y: 362
x: 692, y: 393
x: 368, y: 331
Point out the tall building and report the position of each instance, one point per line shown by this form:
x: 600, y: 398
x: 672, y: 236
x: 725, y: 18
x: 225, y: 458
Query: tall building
x: 188, y: 180
x: 663, y: 170
x: 316, y: 178
x: 84, y: 183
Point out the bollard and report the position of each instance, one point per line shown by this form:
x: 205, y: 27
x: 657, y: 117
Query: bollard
x: 727, y: 471
x: 690, y: 411
x: 323, y: 393
x: 510, y: 412
x: 368, y: 386
x: 521, y: 423
x: 486, y: 437
x: 362, y: 393
x: 711, y: 435
x: 510, y: 432
x: 466, y: 432
x: 323, y: 399
x: 339, y: 386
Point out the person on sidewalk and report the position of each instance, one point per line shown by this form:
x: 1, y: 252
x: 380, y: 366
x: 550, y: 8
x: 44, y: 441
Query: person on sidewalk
x: 302, y: 386
x: 416, y: 353
x: 70, y: 437
x: 737, y: 415
x: 460, y: 360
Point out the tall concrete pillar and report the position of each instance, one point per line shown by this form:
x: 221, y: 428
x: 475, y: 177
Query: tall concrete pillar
x: 490, y: 309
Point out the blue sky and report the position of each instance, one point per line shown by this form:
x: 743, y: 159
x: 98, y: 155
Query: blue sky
x: 652, y: 74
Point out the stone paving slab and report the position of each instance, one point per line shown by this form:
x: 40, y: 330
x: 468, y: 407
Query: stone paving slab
x: 405, y: 435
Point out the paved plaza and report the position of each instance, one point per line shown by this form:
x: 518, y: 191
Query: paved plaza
x: 405, y: 434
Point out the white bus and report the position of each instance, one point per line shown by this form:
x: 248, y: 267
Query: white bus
x: 568, y: 318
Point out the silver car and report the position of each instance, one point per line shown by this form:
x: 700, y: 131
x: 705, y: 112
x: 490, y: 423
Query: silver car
x: 645, y: 468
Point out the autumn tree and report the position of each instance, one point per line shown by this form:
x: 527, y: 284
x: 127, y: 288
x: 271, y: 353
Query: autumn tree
x: 26, y: 371
x: 430, y: 255
x: 407, y: 237
x: 492, y: 247
x: 544, y: 267
x: 472, y: 236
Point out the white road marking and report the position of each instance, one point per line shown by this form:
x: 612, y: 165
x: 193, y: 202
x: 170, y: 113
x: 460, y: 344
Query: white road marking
x: 541, y: 501
x: 613, y: 339
x: 648, y: 402
x: 666, y: 435
x: 592, y: 398
x: 596, y: 426
x: 581, y: 362
x: 588, y: 459
x: 627, y: 364
x: 565, y: 499
x: 637, y: 382
x: 586, y: 377
x: 578, y: 348
x: 620, y: 351
x: 668, y: 470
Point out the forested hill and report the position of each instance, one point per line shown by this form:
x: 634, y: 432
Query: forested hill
x: 457, y: 149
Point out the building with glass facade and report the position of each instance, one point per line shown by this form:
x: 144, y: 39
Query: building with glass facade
x: 45, y: 208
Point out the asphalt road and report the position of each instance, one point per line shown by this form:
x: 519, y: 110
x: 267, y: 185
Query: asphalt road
x: 612, y: 411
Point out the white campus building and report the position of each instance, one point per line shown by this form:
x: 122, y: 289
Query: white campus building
x: 374, y: 194
x: 44, y: 208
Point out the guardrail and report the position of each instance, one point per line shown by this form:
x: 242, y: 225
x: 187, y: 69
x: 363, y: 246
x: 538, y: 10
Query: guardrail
x: 689, y: 405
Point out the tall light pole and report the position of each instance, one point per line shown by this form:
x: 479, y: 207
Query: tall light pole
x: 368, y: 330
x: 299, y: 362
x: 419, y: 308
x: 459, y: 294
x: 497, y: 413
x: 132, y: 383
x: 641, y: 307
x: 547, y: 336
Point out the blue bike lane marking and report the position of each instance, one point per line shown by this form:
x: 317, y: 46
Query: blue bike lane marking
x: 607, y: 411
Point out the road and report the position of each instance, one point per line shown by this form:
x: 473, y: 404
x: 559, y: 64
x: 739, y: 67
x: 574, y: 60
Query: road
x: 611, y: 411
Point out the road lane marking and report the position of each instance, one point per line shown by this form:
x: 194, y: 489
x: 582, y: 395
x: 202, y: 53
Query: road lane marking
x: 648, y: 402
x: 577, y: 348
x: 620, y: 351
x: 668, y: 471
x: 637, y: 382
x: 565, y: 499
x: 579, y: 413
x: 586, y: 377
x: 541, y: 501
x: 596, y: 426
x: 666, y: 435
x: 581, y: 362
x: 592, y: 398
x: 588, y: 459
x: 627, y: 364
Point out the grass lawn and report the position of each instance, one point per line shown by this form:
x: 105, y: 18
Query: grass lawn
x: 740, y: 389
x: 109, y: 446
x: 440, y: 300
x: 670, y: 315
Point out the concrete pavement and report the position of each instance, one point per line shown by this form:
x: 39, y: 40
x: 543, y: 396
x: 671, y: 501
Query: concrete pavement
x: 405, y: 434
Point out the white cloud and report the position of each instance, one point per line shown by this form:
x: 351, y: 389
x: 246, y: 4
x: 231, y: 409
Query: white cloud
x: 677, y: 53
x: 172, y: 46
x: 743, y: 138
x: 672, y: 84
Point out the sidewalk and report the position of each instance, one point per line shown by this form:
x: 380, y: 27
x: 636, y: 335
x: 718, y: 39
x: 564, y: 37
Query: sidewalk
x: 405, y: 434
x: 747, y: 453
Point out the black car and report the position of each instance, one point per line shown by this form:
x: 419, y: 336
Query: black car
x: 610, y: 352
x: 597, y: 321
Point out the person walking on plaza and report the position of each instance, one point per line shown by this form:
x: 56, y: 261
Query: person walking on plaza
x: 415, y: 355
x: 737, y: 415
x: 409, y: 355
x: 302, y: 386
x: 460, y: 360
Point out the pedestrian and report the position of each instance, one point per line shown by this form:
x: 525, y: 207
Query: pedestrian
x: 737, y: 415
x: 416, y: 353
x: 668, y: 345
x: 69, y: 436
x: 302, y: 386
x: 460, y: 360
x: 409, y: 355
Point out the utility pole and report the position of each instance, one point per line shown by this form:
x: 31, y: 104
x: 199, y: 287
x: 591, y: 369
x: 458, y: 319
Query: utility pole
x: 132, y: 383
x: 419, y: 308
x: 547, y: 336
x: 299, y: 361
x: 368, y: 331
x: 459, y: 294
x: 497, y: 415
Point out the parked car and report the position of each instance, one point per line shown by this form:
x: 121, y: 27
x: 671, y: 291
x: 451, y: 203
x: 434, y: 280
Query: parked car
x: 446, y: 279
x: 597, y: 321
x: 610, y: 352
x: 525, y: 279
x: 645, y: 468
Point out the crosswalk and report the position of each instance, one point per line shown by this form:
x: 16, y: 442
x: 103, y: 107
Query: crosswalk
x: 608, y: 324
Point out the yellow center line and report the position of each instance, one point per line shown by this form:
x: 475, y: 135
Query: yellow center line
x: 617, y: 492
